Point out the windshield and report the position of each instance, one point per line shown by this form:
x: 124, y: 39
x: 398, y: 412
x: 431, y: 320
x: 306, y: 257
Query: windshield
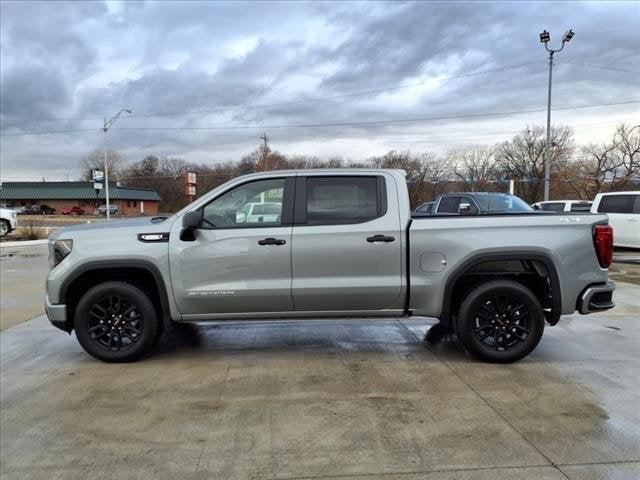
x: 502, y: 203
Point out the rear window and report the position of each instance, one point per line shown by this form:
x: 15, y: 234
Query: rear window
x: 337, y: 200
x: 501, y: 203
x: 617, y: 204
x: 553, y: 207
x: 581, y: 207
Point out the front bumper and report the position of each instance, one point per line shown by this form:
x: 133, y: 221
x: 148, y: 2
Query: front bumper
x: 596, y: 298
x: 57, y: 314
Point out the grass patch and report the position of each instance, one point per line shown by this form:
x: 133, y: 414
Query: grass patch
x: 32, y: 230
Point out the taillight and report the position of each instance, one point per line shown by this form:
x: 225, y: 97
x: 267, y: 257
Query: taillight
x: 603, y: 241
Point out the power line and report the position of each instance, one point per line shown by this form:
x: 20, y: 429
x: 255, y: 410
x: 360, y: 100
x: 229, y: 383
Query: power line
x: 378, y: 122
x: 338, y: 124
x: 302, y: 101
x: 601, y: 67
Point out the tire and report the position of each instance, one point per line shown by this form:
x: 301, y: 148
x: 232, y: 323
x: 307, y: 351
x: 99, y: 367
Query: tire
x: 5, y: 228
x: 105, y: 334
x: 500, y: 321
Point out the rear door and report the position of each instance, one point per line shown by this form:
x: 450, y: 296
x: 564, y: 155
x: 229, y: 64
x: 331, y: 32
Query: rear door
x: 346, y: 244
x: 623, y: 211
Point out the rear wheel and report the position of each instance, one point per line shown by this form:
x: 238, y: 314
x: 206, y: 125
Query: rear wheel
x: 500, y: 321
x: 4, y: 228
x: 116, y: 322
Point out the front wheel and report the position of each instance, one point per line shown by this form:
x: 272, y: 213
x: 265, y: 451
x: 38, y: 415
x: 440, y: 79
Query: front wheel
x: 116, y: 322
x: 5, y: 228
x: 500, y: 321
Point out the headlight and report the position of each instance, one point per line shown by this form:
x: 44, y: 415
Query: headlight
x: 58, y: 251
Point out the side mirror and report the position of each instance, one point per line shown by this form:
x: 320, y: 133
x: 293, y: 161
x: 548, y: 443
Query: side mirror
x: 192, y: 220
x: 190, y: 223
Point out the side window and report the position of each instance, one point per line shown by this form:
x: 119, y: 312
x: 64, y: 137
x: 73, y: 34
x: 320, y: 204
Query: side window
x: 339, y: 200
x: 449, y: 205
x: 253, y: 204
x: 616, y: 204
x: 636, y: 204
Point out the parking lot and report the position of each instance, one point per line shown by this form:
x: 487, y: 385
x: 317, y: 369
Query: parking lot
x: 318, y: 399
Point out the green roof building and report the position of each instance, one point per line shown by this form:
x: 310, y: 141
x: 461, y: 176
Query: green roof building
x: 63, y: 196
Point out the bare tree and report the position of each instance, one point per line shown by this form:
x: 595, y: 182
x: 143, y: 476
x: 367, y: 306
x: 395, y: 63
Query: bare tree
x: 426, y: 173
x: 475, y: 167
x: 95, y: 161
x: 522, y: 158
x: 609, y: 166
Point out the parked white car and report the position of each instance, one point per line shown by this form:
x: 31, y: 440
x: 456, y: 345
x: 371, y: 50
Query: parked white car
x: 563, y: 206
x: 623, y: 209
x: 262, y: 212
x: 8, y: 221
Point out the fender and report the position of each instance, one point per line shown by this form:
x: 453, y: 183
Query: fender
x: 556, y: 307
x: 122, y: 264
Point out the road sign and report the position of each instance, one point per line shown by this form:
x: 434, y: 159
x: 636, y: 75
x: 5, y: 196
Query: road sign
x: 97, y: 176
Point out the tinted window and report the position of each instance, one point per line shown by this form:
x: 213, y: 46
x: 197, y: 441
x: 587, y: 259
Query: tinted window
x: 581, y: 207
x: 502, y: 203
x: 341, y: 200
x: 616, y: 204
x: 449, y: 204
x: 636, y: 204
x: 231, y: 209
x: 553, y: 207
x: 425, y: 208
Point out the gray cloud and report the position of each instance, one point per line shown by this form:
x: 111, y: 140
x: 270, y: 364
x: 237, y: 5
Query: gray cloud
x: 88, y: 59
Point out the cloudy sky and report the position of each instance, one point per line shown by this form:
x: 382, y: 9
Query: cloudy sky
x: 205, y: 79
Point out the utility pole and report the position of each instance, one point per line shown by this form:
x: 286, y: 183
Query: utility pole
x: 105, y: 128
x: 544, y: 38
x: 265, y: 150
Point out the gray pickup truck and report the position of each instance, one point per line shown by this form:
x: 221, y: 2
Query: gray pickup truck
x: 341, y: 243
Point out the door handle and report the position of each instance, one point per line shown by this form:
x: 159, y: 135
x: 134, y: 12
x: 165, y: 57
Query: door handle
x: 272, y: 241
x: 380, y: 238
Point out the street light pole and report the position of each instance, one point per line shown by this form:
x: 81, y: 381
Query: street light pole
x: 544, y: 38
x: 107, y: 125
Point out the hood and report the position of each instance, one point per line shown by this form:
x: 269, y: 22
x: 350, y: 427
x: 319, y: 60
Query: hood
x: 111, y: 225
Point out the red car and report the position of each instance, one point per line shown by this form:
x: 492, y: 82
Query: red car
x: 72, y: 211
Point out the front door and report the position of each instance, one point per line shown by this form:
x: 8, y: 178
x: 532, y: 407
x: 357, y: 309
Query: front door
x: 239, y: 260
x: 346, y: 244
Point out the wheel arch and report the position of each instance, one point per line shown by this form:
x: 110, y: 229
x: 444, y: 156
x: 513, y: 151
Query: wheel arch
x: 536, y: 263
x: 143, y: 274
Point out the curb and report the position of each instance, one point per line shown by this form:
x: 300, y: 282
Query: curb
x: 24, y: 243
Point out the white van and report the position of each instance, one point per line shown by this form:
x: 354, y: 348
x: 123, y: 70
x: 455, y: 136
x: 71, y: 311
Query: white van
x: 623, y: 209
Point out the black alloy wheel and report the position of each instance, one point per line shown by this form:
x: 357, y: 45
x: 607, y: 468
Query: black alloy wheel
x: 116, y: 322
x: 500, y: 321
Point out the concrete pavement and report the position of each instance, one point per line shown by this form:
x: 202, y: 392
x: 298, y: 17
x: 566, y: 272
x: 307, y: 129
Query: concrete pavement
x: 331, y: 399
x: 317, y: 399
x: 23, y: 271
